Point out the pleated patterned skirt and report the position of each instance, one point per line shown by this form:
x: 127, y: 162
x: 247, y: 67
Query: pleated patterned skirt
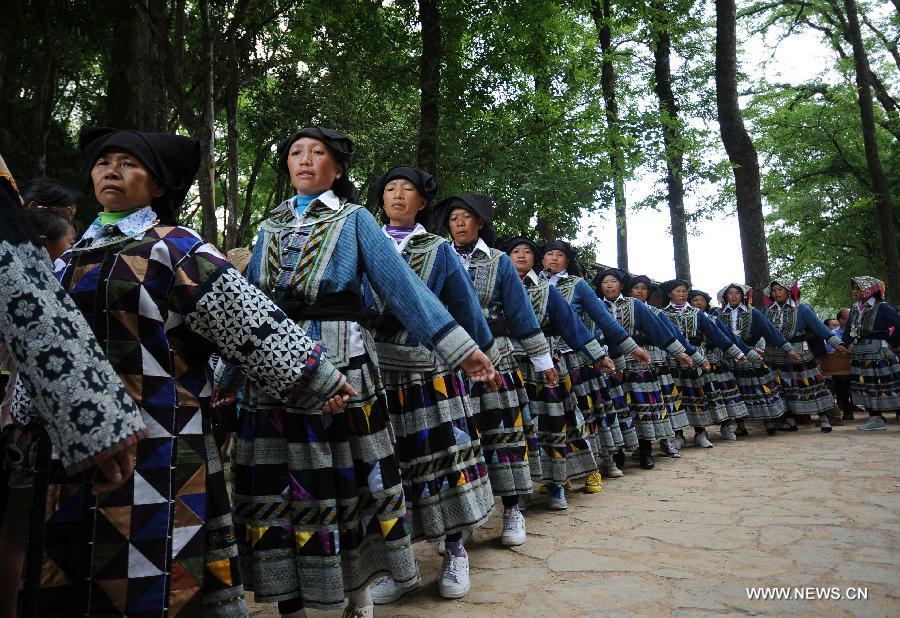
x: 760, y: 390
x: 438, y: 446
x: 803, y: 388
x: 319, y: 502
x: 644, y: 397
x: 692, y: 385
x: 722, y: 388
x: 875, y: 377
x: 592, y: 398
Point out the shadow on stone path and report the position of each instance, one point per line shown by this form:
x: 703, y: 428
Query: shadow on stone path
x: 688, y: 538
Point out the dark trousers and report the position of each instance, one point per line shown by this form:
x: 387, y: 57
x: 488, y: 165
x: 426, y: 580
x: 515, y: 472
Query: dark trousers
x: 842, y: 393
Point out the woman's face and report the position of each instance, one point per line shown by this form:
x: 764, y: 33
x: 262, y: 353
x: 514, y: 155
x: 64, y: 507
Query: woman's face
x: 555, y: 261
x: 779, y: 293
x: 402, y: 201
x: 679, y: 295
x: 857, y: 293
x: 610, y: 287
x: 312, y: 167
x: 522, y: 258
x: 640, y: 291
x: 464, y: 226
x: 700, y: 302
x: 121, y: 182
x: 62, y: 244
x: 735, y: 297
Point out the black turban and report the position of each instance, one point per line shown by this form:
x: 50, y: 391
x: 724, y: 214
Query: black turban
x: 671, y: 284
x: 512, y: 243
x: 635, y: 279
x: 610, y: 272
x: 574, y: 268
x: 173, y: 160
x: 425, y: 184
x: 341, y: 148
x: 481, y: 206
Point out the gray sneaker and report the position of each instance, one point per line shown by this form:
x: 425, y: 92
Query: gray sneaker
x: 727, y: 432
x: 875, y: 423
x: 702, y: 441
x: 556, y: 500
x: 386, y: 590
x: 611, y: 470
x: 680, y: 442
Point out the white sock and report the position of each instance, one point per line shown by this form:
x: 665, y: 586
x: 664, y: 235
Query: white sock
x: 361, y: 598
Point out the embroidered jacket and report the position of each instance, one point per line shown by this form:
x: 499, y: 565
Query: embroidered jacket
x: 793, y: 320
x: 327, y: 250
x: 641, y: 323
x: 751, y: 326
x: 435, y: 262
x: 695, y: 354
x: 595, y: 315
x: 877, y: 320
x: 698, y: 329
x: 502, y: 297
x: 557, y: 318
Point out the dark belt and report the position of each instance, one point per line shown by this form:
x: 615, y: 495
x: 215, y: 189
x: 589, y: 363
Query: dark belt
x: 641, y: 339
x: 338, y: 307
x: 695, y: 341
x: 549, y: 332
x: 498, y: 327
x: 799, y: 339
x: 387, y: 326
x: 875, y: 335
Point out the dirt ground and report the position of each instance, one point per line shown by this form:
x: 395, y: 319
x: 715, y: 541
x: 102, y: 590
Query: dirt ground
x: 801, y: 509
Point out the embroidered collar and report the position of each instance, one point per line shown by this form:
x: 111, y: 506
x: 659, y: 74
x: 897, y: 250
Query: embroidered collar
x: 790, y: 303
x: 133, y: 226
x: 678, y: 308
x: 870, y: 302
x: 328, y: 199
x: 532, y: 277
x: 482, y: 246
x: 738, y: 309
x: 418, y: 230
x: 555, y: 278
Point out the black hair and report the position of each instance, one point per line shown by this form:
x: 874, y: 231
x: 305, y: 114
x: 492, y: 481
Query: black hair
x: 50, y: 193
x: 47, y: 223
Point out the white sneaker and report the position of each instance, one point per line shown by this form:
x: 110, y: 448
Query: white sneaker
x: 454, y: 583
x: 385, y: 590
x: 727, y: 432
x: 702, y: 441
x: 875, y: 423
x: 513, y: 528
x: 355, y: 611
x: 679, y: 442
x: 611, y: 469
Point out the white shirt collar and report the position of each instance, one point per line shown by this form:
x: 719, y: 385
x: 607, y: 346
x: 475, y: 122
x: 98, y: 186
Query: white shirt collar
x: 482, y: 246
x: 679, y: 309
x: 332, y: 201
x: 738, y: 309
x: 418, y: 230
x: 533, y: 277
x: 555, y: 277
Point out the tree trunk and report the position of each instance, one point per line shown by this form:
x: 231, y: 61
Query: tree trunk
x: 244, y: 227
x: 430, y: 85
x: 135, y: 92
x: 601, y: 14
x: 206, y: 130
x: 671, y: 129
x: 231, y: 109
x: 884, y: 204
x: 741, y: 151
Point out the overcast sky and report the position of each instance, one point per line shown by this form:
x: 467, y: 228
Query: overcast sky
x: 714, y: 246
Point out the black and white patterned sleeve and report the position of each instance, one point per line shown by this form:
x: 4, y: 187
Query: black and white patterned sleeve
x: 74, y: 391
x: 250, y: 331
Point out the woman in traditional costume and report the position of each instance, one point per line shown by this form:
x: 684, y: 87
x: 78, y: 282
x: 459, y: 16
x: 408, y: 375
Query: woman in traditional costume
x: 642, y: 389
x: 803, y: 388
x: 319, y: 499
x: 509, y: 314
x: 438, y: 443
x: 872, y: 330
x: 698, y: 391
x: 564, y: 453
x: 600, y: 396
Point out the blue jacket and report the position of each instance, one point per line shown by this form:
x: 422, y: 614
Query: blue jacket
x: 873, y: 323
x: 641, y: 323
x: 557, y: 318
x: 595, y: 314
x: 752, y: 326
x: 698, y: 328
x: 800, y: 319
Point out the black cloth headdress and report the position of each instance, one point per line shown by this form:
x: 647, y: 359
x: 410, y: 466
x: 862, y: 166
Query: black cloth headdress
x: 693, y: 293
x: 341, y: 148
x: 619, y: 274
x: 574, y: 268
x: 481, y: 206
x: 425, y: 184
x: 512, y: 243
x: 671, y: 284
x: 635, y: 279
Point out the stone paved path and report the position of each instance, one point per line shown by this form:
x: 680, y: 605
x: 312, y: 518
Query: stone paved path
x: 802, y: 509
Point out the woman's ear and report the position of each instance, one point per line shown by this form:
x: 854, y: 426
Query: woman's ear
x: 157, y: 190
x: 480, y: 223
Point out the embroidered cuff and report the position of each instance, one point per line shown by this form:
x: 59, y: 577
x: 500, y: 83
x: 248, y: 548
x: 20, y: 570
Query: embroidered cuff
x: 628, y: 346
x: 542, y: 362
x: 733, y: 352
x: 698, y: 358
x: 535, y: 345
x: 493, y: 352
x: 454, y: 346
x: 787, y: 347
x: 753, y: 356
x: 594, y: 350
x: 321, y: 386
x: 675, y: 348
x: 619, y: 362
x: 834, y: 341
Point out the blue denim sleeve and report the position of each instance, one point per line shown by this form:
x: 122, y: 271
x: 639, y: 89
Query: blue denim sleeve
x: 596, y: 309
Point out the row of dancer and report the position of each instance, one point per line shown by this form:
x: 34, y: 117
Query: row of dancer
x: 393, y: 385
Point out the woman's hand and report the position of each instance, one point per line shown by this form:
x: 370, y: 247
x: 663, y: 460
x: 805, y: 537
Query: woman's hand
x: 794, y: 357
x: 605, y: 365
x: 684, y: 360
x: 641, y: 355
x: 224, y: 396
x: 339, y: 401
x: 113, y: 471
x: 478, y: 367
x: 551, y: 377
x: 706, y: 366
x: 841, y: 349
